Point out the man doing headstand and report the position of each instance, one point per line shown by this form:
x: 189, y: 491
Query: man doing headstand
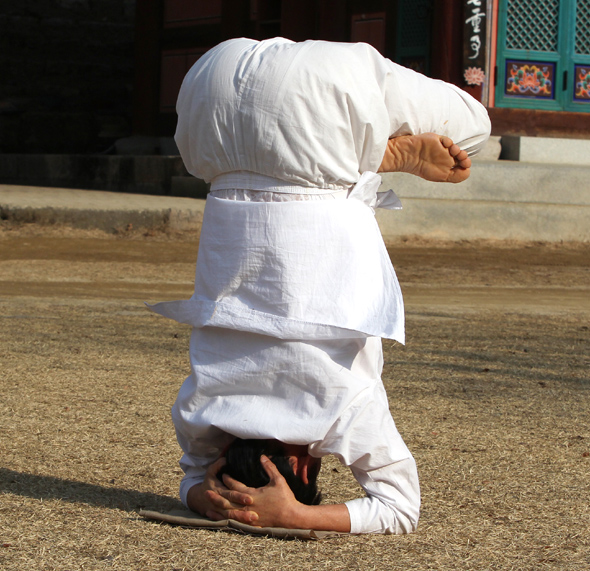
x: 294, y: 288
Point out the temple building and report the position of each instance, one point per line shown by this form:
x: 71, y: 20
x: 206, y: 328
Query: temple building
x: 528, y: 61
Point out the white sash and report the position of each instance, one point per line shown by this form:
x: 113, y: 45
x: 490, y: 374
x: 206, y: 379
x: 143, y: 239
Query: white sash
x: 295, y: 270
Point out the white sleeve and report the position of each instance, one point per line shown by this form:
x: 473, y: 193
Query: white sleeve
x: 366, y: 439
x: 419, y: 104
x: 392, y: 504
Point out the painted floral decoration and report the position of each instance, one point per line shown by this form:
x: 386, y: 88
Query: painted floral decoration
x: 583, y: 83
x: 530, y: 79
x: 474, y: 75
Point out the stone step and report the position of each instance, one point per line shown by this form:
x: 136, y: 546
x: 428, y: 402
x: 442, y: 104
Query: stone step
x: 503, y: 200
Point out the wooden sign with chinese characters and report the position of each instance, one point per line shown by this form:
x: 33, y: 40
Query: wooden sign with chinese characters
x: 474, y: 41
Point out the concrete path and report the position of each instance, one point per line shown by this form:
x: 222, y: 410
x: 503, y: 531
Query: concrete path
x: 109, y: 211
x: 502, y: 200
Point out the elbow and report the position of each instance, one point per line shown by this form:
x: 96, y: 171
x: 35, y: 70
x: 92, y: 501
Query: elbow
x: 402, y: 516
x: 412, y: 522
x: 407, y: 519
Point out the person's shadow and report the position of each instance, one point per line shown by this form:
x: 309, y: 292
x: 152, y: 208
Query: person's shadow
x: 49, y: 487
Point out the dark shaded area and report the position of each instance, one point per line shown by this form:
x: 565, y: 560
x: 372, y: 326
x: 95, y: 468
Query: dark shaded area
x: 155, y: 175
x: 51, y: 488
x: 67, y: 75
x: 537, y: 123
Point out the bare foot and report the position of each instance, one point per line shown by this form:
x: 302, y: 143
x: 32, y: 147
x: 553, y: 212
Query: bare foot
x: 428, y: 156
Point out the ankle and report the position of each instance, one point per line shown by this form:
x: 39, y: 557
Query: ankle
x: 400, y: 155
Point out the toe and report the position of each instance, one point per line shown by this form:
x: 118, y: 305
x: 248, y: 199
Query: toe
x: 465, y: 163
x: 461, y: 155
x: 446, y: 142
x: 455, y: 152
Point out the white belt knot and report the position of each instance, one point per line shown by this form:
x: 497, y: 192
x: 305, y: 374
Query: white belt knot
x: 366, y: 190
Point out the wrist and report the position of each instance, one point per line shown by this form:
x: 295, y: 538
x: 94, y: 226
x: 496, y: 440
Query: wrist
x: 290, y: 516
x: 334, y: 517
x: 196, y: 500
x: 298, y: 516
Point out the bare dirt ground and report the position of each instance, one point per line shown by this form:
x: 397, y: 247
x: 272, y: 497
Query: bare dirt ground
x: 491, y: 394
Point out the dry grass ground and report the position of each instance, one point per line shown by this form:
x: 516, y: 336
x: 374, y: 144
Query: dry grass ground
x: 491, y: 393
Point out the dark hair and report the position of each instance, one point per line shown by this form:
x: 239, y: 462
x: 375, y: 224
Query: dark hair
x: 243, y: 464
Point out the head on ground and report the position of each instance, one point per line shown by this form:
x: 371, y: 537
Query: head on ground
x: 293, y: 461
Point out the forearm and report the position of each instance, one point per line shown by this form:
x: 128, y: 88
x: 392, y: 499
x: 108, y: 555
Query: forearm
x: 295, y: 516
x: 320, y: 518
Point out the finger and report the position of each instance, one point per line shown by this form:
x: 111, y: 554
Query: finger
x: 233, y: 484
x: 219, y: 501
x: 237, y: 497
x: 220, y: 462
x: 243, y: 516
x: 214, y: 515
x: 270, y: 469
x: 248, y: 517
x: 216, y: 466
x: 223, y: 506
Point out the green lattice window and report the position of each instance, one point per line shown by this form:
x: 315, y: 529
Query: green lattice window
x: 544, y: 54
x: 413, y: 34
x: 583, y: 28
x: 532, y: 25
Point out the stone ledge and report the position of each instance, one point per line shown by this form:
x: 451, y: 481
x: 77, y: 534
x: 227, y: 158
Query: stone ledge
x: 155, y: 175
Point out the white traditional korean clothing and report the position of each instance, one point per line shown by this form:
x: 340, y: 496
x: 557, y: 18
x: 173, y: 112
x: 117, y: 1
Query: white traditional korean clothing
x: 294, y: 287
